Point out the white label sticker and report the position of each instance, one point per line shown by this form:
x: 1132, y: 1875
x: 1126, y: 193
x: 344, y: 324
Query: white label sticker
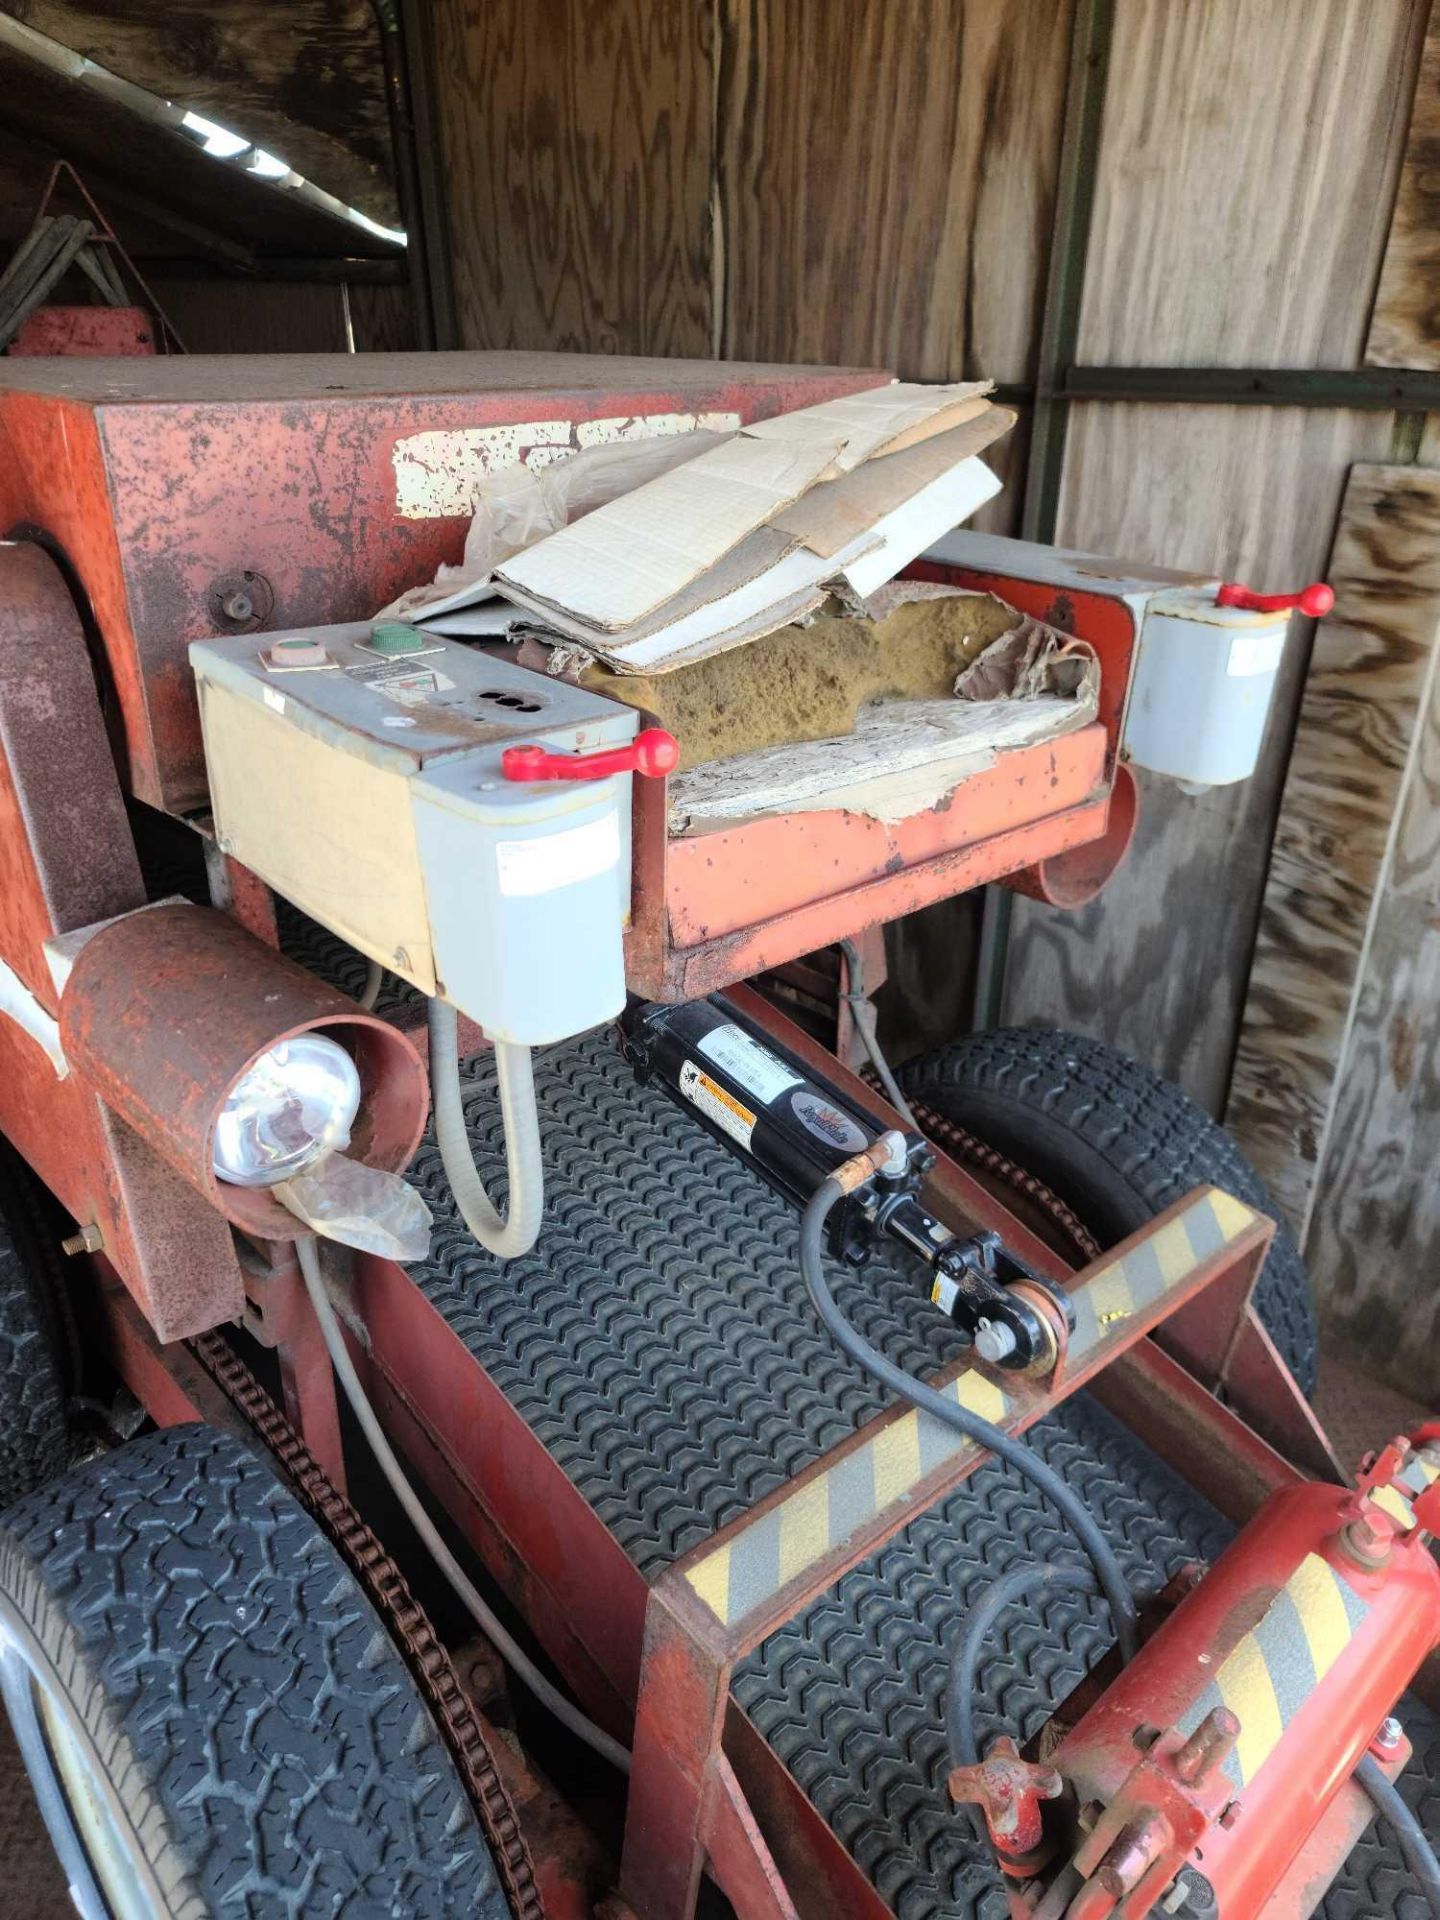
x: 723, y: 1108
x: 1255, y: 652
x: 272, y: 699
x: 745, y: 1060
x: 528, y: 867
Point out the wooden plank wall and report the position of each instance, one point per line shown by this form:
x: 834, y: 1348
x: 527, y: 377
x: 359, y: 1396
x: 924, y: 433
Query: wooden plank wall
x: 626, y: 176
x: 1235, y: 223
x: 875, y: 183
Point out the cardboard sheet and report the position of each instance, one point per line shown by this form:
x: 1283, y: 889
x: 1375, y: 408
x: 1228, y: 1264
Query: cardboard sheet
x: 833, y: 513
x: 881, y: 420
x: 617, y: 565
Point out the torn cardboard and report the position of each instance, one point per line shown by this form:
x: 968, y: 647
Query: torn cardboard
x: 615, y: 567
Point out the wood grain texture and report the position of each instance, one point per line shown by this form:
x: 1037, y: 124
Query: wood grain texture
x: 1354, y: 770
x: 254, y: 316
x: 1405, y: 326
x: 886, y: 179
x: 1248, y: 160
x: 577, y: 139
x: 1372, y: 1243
x: 1158, y: 964
x: 305, y: 81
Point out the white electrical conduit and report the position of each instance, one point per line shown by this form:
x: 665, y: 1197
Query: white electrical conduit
x: 515, y: 1231
x: 509, y: 1649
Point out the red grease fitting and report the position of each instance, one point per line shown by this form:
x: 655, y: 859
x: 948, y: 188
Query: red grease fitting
x: 653, y: 752
x: 1314, y: 601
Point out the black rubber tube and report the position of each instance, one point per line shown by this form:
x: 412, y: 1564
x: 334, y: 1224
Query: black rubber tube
x: 1016, y: 1585
x: 1003, y: 1445
x: 1418, y: 1853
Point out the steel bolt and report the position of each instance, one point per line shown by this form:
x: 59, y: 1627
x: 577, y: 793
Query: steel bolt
x: 1207, y: 1746
x: 1389, y: 1736
x: 994, y: 1342
x: 88, y: 1240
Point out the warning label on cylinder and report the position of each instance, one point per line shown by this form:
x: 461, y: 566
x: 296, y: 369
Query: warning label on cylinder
x: 723, y: 1108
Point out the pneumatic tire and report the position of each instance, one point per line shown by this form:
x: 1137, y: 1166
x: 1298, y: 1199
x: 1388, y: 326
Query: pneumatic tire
x: 213, y: 1715
x: 34, y: 1438
x: 1116, y: 1142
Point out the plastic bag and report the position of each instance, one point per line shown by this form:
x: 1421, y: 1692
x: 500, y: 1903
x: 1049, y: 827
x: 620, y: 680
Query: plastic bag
x: 359, y: 1206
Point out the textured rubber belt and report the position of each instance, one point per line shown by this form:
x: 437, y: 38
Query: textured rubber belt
x: 742, y: 1573
x: 1267, y: 1676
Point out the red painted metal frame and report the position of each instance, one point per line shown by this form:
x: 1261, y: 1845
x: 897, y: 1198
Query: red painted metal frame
x: 110, y: 331
x: 69, y: 861
x: 585, y: 1599
x: 160, y: 477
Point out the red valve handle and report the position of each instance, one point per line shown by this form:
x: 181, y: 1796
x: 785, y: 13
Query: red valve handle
x: 654, y: 752
x: 1314, y: 601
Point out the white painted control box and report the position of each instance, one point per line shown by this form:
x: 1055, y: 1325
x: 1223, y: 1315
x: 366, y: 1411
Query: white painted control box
x: 367, y: 789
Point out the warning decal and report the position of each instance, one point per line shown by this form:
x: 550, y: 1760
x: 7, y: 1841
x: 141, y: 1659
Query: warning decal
x: 716, y: 1104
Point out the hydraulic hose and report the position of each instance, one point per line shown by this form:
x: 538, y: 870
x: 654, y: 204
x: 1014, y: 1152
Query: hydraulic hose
x: 994, y: 1439
x: 1418, y: 1853
x: 515, y: 1657
x: 1018, y: 1584
x: 515, y: 1231
x: 862, y: 1011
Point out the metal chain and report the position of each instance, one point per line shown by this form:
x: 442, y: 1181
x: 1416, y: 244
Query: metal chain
x: 419, y: 1645
x: 963, y: 1145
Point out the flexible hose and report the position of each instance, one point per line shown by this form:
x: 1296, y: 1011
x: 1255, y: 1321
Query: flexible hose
x: 509, y: 1649
x: 982, y: 1432
x: 515, y: 1231
x: 863, y: 1014
x: 1418, y: 1853
x: 1018, y: 1584
x: 374, y: 981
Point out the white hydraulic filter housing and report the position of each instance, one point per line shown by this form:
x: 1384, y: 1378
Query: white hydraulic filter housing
x: 358, y: 771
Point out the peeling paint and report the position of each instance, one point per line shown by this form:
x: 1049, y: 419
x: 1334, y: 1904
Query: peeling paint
x: 436, y: 473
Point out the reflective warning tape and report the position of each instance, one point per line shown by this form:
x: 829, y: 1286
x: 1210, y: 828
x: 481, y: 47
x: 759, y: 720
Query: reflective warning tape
x: 1268, y: 1676
x: 737, y: 1576
x: 740, y: 1574
x: 1212, y: 1222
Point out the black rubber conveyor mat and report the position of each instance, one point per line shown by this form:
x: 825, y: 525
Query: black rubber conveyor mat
x: 660, y: 1343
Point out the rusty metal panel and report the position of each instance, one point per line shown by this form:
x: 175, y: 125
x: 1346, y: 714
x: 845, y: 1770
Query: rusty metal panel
x: 164, y: 478
x: 87, y: 330
x: 164, y: 1010
x: 68, y: 861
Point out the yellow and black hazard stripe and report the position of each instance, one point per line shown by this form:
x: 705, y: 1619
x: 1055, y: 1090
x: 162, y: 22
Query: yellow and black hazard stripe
x: 742, y: 1573
x: 1268, y: 1676
x: 1213, y: 1221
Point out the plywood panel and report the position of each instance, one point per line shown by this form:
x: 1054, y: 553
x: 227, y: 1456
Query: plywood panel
x: 577, y: 141
x: 1376, y: 1228
x: 886, y: 176
x: 309, y: 86
x: 1339, y: 846
x: 1248, y: 162
x: 254, y: 316
x: 1158, y: 964
x: 1405, y: 328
